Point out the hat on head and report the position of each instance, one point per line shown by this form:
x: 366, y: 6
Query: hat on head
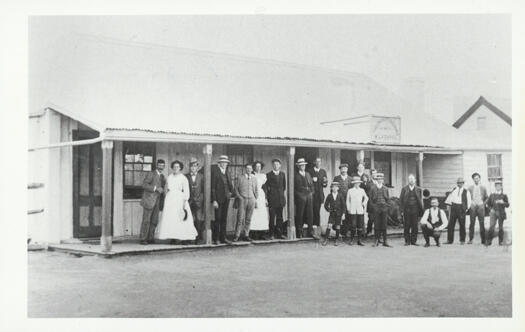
x: 356, y: 179
x: 498, y: 181
x: 276, y: 160
x: 334, y: 183
x: 343, y: 165
x: 475, y: 174
x: 460, y: 180
x: 380, y: 176
x: 301, y: 161
x: 223, y: 159
x: 194, y: 161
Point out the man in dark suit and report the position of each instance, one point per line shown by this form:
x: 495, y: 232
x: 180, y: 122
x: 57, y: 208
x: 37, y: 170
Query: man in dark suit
x: 320, y: 180
x: 153, y: 186
x: 196, y: 201
x: 479, y: 196
x: 412, y: 209
x: 221, y: 192
x: 379, y: 201
x: 345, y: 183
x: 303, y: 193
x: 275, y: 186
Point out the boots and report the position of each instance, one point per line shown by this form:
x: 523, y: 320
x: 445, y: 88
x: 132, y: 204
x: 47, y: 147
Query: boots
x: 352, y: 234
x: 359, y: 235
x: 385, y: 244
x: 376, y: 242
x: 336, y: 237
x: 326, y: 236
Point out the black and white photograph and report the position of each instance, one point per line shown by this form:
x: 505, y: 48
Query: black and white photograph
x: 316, y: 165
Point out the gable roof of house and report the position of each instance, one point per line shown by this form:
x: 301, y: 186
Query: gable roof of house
x: 482, y: 102
x: 142, y: 91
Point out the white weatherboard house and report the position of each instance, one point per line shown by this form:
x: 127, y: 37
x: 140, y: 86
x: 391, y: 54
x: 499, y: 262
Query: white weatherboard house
x: 102, y: 111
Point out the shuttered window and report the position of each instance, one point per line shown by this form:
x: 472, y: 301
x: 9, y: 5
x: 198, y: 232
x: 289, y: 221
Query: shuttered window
x: 494, y: 166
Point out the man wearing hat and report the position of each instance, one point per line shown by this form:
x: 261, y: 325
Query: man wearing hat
x: 459, y: 200
x: 275, y: 187
x: 303, y: 193
x: 433, y: 222
x: 379, y: 200
x: 345, y: 183
x: 320, y: 182
x: 356, y: 203
x: 479, y: 196
x: 221, y: 192
x: 497, y: 202
x: 335, y: 206
x: 372, y: 183
x: 411, y: 199
x: 196, y: 201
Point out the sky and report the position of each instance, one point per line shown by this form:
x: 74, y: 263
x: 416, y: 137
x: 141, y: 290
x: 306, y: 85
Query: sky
x: 454, y: 58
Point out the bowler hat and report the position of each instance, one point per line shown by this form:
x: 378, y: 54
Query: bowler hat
x: 301, y: 161
x: 343, y: 165
x: 223, y: 159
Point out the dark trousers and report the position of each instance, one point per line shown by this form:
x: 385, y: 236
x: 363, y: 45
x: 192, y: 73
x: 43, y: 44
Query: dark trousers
x: 380, y: 222
x: 303, y: 215
x: 276, y: 221
x: 430, y: 232
x: 198, y: 223
x: 357, y: 224
x: 317, y: 211
x: 495, y: 216
x: 411, y: 222
x: 370, y: 223
x: 219, y: 224
x: 150, y: 220
x: 346, y: 225
x: 457, y: 214
x: 477, y: 212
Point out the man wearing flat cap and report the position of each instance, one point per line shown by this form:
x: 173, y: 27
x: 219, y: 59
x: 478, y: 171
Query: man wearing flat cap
x: 303, y: 194
x: 196, y: 201
x: 345, y: 183
x: 479, y: 196
x: 459, y: 200
x: 221, y: 192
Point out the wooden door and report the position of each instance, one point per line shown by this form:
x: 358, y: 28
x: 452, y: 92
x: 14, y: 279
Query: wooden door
x: 87, y: 187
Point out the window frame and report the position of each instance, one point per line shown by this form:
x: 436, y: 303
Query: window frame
x: 498, y: 165
x: 136, y: 191
x: 232, y: 151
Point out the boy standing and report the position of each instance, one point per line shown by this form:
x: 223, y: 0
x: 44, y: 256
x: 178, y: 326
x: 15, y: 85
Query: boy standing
x: 335, y: 205
x: 433, y: 222
x: 497, y: 203
x: 356, y: 201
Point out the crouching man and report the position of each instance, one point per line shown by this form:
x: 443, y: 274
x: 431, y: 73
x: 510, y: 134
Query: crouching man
x: 433, y: 222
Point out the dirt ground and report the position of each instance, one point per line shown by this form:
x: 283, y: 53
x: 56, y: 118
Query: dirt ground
x: 282, y: 280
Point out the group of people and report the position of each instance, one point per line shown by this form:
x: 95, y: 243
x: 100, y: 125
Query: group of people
x: 259, y: 199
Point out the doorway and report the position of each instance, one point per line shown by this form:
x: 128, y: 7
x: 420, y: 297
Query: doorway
x: 87, y: 186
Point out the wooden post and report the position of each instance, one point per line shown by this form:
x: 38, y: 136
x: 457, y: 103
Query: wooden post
x: 372, y: 160
x: 420, y: 169
x: 361, y: 156
x: 107, y: 194
x: 290, y: 186
x: 207, y: 151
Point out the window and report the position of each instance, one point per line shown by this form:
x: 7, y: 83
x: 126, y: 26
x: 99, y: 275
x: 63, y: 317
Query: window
x: 139, y: 159
x: 494, y: 166
x: 482, y: 122
x: 239, y: 155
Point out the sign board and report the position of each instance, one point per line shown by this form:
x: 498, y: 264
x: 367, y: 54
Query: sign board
x: 385, y: 129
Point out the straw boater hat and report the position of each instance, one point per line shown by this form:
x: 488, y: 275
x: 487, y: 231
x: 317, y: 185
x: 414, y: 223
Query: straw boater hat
x: 460, y: 180
x: 343, y: 165
x: 194, y: 161
x: 356, y: 179
x: 223, y: 159
x: 380, y: 176
x: 301, y: 161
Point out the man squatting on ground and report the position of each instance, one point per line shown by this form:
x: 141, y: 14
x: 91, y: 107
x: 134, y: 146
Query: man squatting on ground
x: 433, y: 222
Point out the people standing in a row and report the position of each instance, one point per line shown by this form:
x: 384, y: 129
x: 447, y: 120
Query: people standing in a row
x: 303, y: 195
x: 411, y: 199
x: 460, y: 201
x: 320, y: 180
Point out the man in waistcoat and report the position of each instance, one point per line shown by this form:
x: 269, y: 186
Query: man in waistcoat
x: 433, y: 222
x: 221, y: 192
x: 459, y: 200
x: 345, y: 183
x: 196, y: 201
x: 320, y: 180
x: 153, y: 186
x: 303, y: 194
x: 477, y: 208
x: 411, y: 199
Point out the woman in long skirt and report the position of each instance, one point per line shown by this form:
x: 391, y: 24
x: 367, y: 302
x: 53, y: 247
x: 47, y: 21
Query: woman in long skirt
x: 260, y: 219
x: 176, y: 222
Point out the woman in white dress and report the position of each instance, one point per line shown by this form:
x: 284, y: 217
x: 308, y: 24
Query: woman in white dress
x: 176, y: 222
x: 260, y: 219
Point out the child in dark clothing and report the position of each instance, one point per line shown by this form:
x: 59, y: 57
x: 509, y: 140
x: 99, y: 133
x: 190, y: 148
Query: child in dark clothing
x: 335, y: 205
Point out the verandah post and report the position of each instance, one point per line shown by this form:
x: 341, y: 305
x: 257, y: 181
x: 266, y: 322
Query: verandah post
x: 107, y: 194
x: 420, y: 168
x: 290, y: 191
x: 207, y: 151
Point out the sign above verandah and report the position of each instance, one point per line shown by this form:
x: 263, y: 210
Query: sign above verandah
x: 385, y: 129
